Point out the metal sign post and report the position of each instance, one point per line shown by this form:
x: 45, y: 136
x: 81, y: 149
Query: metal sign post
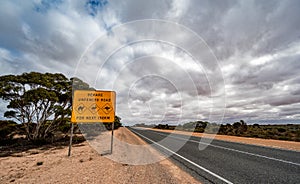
x: 71, y: 137
x: 112, y: 138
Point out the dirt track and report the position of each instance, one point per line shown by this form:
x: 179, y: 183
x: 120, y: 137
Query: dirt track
x: 86, y: 166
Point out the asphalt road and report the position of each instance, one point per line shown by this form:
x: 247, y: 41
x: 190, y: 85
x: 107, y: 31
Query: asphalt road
x: 226, y: 162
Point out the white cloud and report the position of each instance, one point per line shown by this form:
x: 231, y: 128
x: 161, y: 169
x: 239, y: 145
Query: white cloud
x: 178, y: 9
x: 256, y: 42
x: 291, y: 51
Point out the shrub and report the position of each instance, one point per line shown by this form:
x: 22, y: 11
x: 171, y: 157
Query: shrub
x: 7, y: 129
x: 281, y: 130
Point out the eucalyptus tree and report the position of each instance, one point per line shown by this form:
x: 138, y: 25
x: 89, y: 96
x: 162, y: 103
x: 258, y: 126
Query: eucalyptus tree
x: 41, y: 102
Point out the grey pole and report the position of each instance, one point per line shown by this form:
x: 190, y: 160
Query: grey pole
x: 71, y: 137
x: 112, y: 138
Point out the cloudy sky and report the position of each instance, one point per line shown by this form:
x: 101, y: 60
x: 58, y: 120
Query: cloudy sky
x: 169, y: 61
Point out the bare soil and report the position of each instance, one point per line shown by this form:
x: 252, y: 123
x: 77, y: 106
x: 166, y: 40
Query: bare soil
x: 52, y: 165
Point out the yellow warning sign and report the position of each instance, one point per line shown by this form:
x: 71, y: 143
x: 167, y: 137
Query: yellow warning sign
x: 93, y: 106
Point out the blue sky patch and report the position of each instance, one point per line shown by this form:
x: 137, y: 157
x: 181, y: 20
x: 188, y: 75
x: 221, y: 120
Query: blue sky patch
x: 93, y: 6
x: 45, y: 5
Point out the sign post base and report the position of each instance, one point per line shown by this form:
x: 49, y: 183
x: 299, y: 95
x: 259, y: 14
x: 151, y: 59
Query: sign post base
x: 111, y: 142
x: 71, y: 137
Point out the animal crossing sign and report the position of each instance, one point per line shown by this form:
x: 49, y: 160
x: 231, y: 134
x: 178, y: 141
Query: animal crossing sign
x: 93, y: 106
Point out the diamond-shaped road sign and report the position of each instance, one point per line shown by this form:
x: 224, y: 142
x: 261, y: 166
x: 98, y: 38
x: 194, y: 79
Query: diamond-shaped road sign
x: 80, y: 108
x: 107, y: 108
x: 93, y: 106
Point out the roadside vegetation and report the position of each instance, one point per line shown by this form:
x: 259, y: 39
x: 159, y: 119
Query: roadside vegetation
x: 290, y: 132
x: 39, y: 108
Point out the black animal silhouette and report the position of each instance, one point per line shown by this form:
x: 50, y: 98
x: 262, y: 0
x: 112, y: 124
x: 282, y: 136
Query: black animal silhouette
x: 80, y: 108
x: 94, y: 108
x: 107, y: 108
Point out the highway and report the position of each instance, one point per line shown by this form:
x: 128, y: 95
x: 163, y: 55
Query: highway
x: 226, y: 162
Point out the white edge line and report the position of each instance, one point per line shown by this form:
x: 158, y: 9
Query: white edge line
x: 230, y: 149
x: 191, y: 162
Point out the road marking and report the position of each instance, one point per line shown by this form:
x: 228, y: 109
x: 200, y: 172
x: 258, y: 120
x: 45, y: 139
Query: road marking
x: 191, y: 162
x: 230, y: 149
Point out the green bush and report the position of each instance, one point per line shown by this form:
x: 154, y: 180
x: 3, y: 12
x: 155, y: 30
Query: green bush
x: 7, y: 129
x: 281, y: 130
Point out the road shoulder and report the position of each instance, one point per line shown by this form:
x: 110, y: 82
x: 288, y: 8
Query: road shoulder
x: 287, y: 145
x: 86, y: 166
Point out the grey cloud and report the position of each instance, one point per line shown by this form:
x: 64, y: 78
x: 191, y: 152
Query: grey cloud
x: 156, y: 83
x: 50, y: 39
x: 293, y: 107
x: 177, y: 105
x: 267, y: 76
x: 290, y: 113
x: 236, y: 31
x: 143, y: 96
x: 296, y: 92
x: 140, y: 9
x: 237, y: 104
x: 285, y: 100
x: 241, y: 26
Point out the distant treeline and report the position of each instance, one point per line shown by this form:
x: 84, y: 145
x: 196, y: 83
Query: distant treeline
x: 289, y: 132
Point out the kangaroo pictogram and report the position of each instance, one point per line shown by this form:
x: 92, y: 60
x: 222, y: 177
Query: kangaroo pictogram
x: 107, y: 108
x: 80, y: 108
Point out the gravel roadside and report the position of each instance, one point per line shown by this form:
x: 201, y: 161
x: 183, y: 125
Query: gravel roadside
x: 86, y: 166
x: 289, y: 145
